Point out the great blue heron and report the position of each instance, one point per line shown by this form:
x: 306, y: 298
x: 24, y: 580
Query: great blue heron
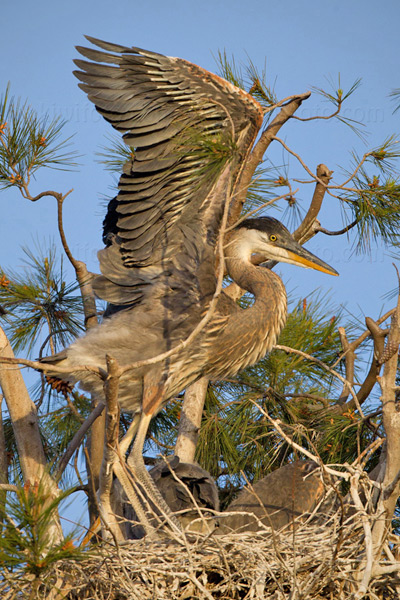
x: 190, y: 133
x: 189, y: 491
x: 277, y: 499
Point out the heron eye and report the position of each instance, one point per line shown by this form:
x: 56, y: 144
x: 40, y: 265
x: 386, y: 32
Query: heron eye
x: 273, y: 237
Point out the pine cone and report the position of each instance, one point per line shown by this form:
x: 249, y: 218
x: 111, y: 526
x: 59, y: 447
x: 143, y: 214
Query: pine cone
x: 59, y: 385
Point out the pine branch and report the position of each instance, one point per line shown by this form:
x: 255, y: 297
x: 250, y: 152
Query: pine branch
x: 29, y: 142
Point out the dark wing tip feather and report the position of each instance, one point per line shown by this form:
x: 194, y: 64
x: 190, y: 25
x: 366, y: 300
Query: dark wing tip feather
x: 111, y: 47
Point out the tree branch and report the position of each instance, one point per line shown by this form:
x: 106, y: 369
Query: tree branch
x: 23, y: 416
x: 77, y: 439
x: 391, y: 422
x: 357, y: 342
x: 82, y: 274
x: 320, y: 229
x: 324, y: 366
x: 3, y: 453
x: 111, y: 387
x: 349, y: 361
x: 49, y: 368
x: 391, y: 414
x: 190, y: 420
x: 24, y: 420
x: 258, y: 152
x: 308, y: 228
x: 378, y: 336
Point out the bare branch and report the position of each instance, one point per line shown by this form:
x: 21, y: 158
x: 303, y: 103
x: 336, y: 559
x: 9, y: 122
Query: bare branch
x: 309, y: 227
x: 366, y: 566
x: 319, y: 117
x: 190, y: 420
x: 349, y: 358
x: 324, y: 366
x: 339, y: 232
x: 378, y: 336
x: 389, y: 489
x: 77, y: 439
x: 23, y: 415
x: 82, y: 274
x: 7, y: 487
x: 391, y: 419
x: 276, y: 423
x: 3, y: 452
x: 258, y: 152
x: 49, y: 368
x: 357, y: 342
x: 301, y: 161
x: 111, y: 442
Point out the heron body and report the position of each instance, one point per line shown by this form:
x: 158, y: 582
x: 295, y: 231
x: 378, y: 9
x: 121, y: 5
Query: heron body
x: 233, y: 339
x: 277, y: 500
x: 190, y: 133
x: 189, y: 491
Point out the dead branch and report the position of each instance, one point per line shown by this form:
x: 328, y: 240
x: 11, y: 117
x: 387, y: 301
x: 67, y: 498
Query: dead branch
x: 258, y: 152
x: 276, y: 423
x: 190, y: 420
x: 7, y: 487
x: 349, y: 361
x: 309, y: 226
x: 365, y: 568
x: 301, y: 161
x: 326, y: 367
x: 3, y: 452
x: 391, y: 422
x: 82, y: 275
x: 23, y: 417
x: 24, y: 420
x: 48, y: 368
x: 111, y: 386
x: 391, y: 414
x: 90, y: 312
x: 339, y: 232
x: 77, y: 439
x: 378, y: 336
x: 357, y: 342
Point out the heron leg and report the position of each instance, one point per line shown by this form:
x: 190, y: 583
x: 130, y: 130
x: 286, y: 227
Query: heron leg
x: 129, y: 435
x: 124, y: 479
x: 136, y: 464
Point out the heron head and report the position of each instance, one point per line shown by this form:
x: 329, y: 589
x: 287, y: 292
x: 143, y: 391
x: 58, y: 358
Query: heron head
x: 270, y: 239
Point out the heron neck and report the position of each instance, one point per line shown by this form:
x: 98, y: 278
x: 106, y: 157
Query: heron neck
x: 244, y: 273
x: 265, y: 285
x: 250, y: 332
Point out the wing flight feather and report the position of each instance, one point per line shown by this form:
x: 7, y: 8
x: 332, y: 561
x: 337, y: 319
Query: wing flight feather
x: 172, y: 114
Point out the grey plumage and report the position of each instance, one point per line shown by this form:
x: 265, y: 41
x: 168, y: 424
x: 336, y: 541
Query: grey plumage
x: 190, y: 133
x: 189, y: 491
x: 278, y: 499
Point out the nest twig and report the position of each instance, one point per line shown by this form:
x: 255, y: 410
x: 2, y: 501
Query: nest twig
x: 307, y: 560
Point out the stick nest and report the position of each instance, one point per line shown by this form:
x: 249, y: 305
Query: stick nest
x: 307, y: 561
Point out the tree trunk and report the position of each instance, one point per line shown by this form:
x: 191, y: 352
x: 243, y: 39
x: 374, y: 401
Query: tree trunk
x: 189, y: 425
x: 23, y: 415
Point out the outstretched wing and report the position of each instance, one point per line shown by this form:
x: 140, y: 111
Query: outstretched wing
x: 184, y: 125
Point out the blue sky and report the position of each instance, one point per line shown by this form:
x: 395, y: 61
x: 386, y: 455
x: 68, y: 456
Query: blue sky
x: 301, y: 44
